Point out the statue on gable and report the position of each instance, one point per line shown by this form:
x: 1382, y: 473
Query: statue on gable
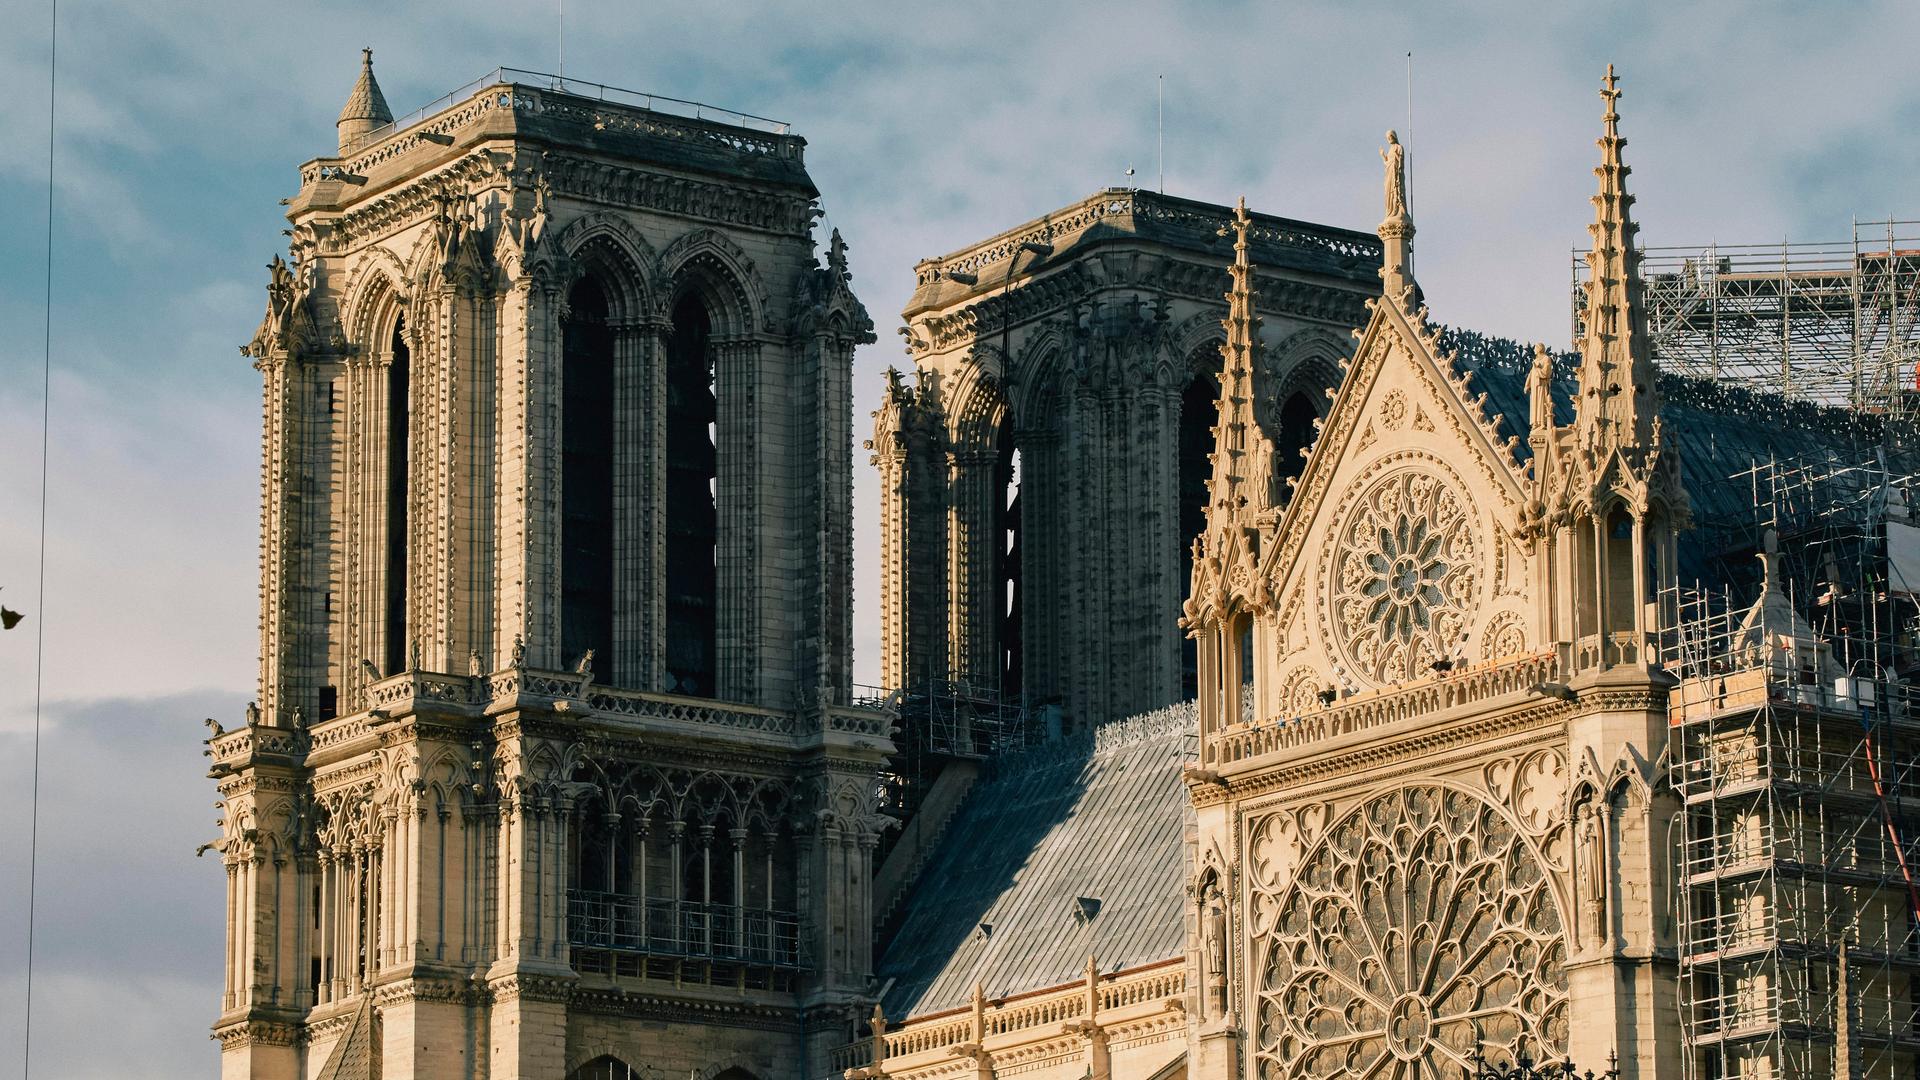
x: 1395, y: 156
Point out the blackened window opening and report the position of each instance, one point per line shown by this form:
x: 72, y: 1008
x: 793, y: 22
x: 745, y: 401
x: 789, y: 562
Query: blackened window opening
x: 1198, y: 409
x: 1296, y: 434
x: 691, y: 522
x: 399, y: 457
x: 586, y: 475
x: 1006, y: 571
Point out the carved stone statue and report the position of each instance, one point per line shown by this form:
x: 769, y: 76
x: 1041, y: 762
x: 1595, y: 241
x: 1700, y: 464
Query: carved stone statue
x: 519, y: 651
x: 1592, y: 870
x: 1214, y: 947
x: 1395, y: 156
x: 585, y: 666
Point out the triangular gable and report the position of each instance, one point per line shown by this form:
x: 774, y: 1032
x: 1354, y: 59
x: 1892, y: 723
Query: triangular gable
x: 1405, y: 410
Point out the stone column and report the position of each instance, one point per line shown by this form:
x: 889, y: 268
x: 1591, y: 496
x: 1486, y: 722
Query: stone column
x: 638, y: 495
x: 1623, y: 981
x: 737, y: 517
x: 530, y: 980
x: 475, y: 483
x: 527, y: 544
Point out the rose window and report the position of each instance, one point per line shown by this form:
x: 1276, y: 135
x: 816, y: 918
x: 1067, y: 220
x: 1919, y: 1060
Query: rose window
x: 1419, y: 930
x: 1406, y: 577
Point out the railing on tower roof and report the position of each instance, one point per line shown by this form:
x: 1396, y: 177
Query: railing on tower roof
x: 640, y: 99
x: 1168, y: 212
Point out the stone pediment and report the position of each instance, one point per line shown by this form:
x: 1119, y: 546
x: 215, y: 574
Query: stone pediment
x: 1397, y: 548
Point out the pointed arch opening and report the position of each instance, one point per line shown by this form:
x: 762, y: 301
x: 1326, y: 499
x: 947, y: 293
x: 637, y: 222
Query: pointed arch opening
x: 1623, y: 583
x: 692, y: 520
x: 1199, y: 407
x: 1295, y: 437
x: 398, y: 467
x: 1007, y: 562
x: 586, y: 472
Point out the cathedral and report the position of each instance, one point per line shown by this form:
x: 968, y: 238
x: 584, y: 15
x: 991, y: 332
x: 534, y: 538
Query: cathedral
x: 1280, y: 684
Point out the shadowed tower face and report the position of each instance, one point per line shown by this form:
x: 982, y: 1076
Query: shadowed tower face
x: 1084, y: 345
x: 555, y: 605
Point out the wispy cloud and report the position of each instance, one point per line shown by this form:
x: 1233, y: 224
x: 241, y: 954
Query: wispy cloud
x: 181, y: 126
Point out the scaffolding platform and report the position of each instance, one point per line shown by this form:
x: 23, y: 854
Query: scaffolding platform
x: 1835, y: 324
x: 1795, y: 754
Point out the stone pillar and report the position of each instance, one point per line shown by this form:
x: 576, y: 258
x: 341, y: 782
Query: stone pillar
x: 1622, y: 977
x: 475, y: 485
x: 260, y: 1004
x: 736, y: 370
x: 527, y: 545
x: 638, y: 496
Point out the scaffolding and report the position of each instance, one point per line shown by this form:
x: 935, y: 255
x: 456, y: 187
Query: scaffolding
x: 1835, y: 323
x: 1795, y: 753
x: 942, y: 719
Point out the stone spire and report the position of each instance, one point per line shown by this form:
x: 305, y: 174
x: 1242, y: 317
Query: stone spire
x: 1240, y: 458
x: 1396, y: 229
x: 366, y: 107
x: 1618, y: 400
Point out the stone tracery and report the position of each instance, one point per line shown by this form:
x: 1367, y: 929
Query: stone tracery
x: 1406, y: 578
x: 1420, y: 928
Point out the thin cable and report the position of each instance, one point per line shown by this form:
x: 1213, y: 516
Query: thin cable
x: 40, y: 624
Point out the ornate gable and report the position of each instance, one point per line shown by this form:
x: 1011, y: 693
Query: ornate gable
x: 1398, y: 547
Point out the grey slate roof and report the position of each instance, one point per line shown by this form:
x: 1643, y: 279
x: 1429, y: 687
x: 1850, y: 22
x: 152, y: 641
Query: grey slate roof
x: 1720, y: 430
x: 1100, y: 817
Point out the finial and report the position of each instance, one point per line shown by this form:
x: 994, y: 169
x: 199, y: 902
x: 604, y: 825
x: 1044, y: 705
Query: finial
x: 1610, y: 92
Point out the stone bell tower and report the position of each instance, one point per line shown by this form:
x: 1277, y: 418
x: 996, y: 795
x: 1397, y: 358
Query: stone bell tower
x: 553, y: 737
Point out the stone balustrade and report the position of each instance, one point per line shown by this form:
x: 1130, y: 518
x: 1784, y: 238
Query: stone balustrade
x: 1007, y: 1021
x: 1427, y: 697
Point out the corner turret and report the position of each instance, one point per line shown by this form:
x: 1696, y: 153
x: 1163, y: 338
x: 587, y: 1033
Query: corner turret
x: 366, y: 110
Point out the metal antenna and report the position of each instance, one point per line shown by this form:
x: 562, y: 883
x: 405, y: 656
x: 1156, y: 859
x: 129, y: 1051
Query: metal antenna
x: 560, y: 65
x: 1161, y: 82
x: 1407, y: 194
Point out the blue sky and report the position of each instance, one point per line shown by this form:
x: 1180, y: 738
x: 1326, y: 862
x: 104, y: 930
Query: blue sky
x: 181, y: 125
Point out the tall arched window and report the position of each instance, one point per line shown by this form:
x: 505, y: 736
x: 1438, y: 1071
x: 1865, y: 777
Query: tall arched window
x: 1199, y: 407
x: 399, y: 460
x: 1296, y: 433
x: 586, y: 474
x: 691, y: 522
x: 1006, y: 533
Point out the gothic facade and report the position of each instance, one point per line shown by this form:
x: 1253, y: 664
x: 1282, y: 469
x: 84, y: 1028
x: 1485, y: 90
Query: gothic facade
x: 1429, y: 819
x: 1427, y: 813
x: 555, y: 768
x: 553, y: 764
x: 1042, y: 473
